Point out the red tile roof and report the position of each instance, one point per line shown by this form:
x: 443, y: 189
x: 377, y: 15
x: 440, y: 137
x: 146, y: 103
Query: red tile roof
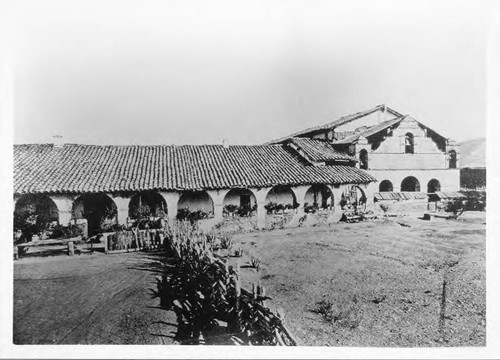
x: 403, y: 195
x: 43, y: 168
x: 372, y: 130
x: 341, y: 121
x: 320, y: 151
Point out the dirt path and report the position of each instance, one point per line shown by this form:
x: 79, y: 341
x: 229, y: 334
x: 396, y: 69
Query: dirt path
x: 97, y: 299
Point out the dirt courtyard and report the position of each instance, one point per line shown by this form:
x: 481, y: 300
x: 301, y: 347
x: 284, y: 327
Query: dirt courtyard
x: 376, y: 283
x: 395, y: 282
x: 89, y: 299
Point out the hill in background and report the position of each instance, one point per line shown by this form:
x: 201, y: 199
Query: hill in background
x: 473, y: 153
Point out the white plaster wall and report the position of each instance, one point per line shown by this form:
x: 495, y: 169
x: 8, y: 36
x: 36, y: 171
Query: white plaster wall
x: 448, y: 178
x: 391, y: 152
x: 378, y: 161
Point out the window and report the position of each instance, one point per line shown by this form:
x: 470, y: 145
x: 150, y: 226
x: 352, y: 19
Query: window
x: 409, y: 143
x: 433, y: 186
x: 410, y: 183
x: 363, y: 159
x: 452, y: 156
x: 385, y: 186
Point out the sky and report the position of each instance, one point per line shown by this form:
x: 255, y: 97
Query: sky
x: 198, y: 72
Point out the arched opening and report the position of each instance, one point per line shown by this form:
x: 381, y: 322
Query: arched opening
x: 241, y: 202
x: 433, y: 186
x: 99, y: 211
x: 363, y: 159
x: 195, y: 205
x: 280, y: 205
x: 37, y: 204
x: 353, y: 198
x: 385, y: 186
x: 410, y: 183
x: 452, y: 156
x: 409, y: 143
x: 280, y: 198
x: 34, y: 214
x: 318, y: 197
x: 147, y: 203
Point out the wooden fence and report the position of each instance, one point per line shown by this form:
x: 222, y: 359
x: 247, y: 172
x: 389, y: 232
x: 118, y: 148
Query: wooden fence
x: 127, y: 240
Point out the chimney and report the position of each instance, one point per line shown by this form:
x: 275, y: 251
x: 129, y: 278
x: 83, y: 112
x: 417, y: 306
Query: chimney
x: 58, y: 141
x: 225, y: 144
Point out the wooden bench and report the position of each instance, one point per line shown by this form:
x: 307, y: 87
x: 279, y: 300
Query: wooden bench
x: 22, y: 248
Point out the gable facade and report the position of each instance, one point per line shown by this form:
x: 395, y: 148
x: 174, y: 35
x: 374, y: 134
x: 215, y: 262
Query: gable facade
x: 393, y: 147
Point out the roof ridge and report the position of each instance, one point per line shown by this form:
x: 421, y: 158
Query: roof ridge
x: 144, y: 145
x: 340, y: 121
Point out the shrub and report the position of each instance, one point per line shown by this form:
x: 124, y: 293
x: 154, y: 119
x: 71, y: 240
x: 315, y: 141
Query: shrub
x: 310, y: 208
x: 30, y: 223
x: 61, y: 231
x: 210, y: 237
x: 454, y: 206
x: 344, y: 313
x: 192, y: 216
x: 238, y: 252
x: 226, y: 241
x: 230, y: 208
x: 255, y: 262
x: 246, y: 210
x: 183, y: 214
x: 270, y: 207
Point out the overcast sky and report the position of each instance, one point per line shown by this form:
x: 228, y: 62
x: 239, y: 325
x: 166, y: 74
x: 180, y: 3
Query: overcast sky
x: 195, y: 72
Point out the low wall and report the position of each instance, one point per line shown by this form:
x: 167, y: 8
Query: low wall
x: 401, y: 207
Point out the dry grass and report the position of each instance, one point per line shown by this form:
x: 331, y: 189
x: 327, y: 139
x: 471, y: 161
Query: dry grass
x: 376, y: 283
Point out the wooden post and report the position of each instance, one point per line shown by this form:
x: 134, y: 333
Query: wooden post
x: 71, y: 248
x: 106, y: 249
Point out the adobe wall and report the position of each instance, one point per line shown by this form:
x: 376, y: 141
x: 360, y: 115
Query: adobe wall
x: 449, y: 179
x: 391, y: 152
